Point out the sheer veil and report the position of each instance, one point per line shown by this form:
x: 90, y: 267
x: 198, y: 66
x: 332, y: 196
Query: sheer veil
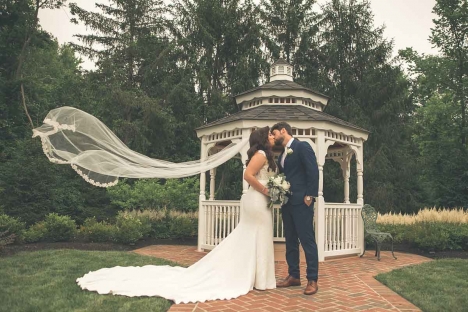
x: 74, y: 137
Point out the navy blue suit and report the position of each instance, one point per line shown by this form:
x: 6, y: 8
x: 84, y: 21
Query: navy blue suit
x: 301, y: 171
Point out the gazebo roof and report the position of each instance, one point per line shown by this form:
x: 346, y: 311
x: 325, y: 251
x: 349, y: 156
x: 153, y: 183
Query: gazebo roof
x: 282, y: 85
x: 280, y: 61
x: 281, y: 113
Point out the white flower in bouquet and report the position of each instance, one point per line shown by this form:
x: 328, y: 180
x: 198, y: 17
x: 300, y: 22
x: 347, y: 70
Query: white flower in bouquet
x: 278, y: 180
x: 278, y: 188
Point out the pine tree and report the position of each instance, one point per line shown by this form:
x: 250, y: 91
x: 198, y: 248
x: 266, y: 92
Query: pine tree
x: 120, y: 36
x: 285, y: 24
x: 450, y: 35
x: 354, y: 67
x: 221, y: 43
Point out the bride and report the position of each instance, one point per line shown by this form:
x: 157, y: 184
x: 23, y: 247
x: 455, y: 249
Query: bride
x: 242, y: 261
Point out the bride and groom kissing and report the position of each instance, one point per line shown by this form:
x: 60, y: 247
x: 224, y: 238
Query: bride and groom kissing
x: 244, y: 260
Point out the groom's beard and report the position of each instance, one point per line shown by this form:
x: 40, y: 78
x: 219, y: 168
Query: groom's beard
x: 279, y: 142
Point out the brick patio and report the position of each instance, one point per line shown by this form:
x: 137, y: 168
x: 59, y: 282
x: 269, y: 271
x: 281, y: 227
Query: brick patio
x: 345, y: 284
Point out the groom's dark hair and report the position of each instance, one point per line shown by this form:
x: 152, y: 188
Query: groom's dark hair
x: 281, y: 125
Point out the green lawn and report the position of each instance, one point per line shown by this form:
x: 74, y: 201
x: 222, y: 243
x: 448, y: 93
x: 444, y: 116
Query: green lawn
x: 45, y: 281
x: 440, y: 285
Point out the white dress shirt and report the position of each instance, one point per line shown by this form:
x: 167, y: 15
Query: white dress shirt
x: 285, y: 153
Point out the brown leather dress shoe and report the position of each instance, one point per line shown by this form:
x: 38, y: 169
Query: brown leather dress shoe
x: 289, y: 281
x: 311, y: 288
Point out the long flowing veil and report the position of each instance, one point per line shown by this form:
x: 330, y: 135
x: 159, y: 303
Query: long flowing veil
x: 74, y: 137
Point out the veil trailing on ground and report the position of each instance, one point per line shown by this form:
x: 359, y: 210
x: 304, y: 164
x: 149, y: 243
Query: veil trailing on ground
x: 71, y: 136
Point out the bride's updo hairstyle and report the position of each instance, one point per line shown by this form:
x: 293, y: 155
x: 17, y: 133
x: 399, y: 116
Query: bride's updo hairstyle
x: 259, y: 142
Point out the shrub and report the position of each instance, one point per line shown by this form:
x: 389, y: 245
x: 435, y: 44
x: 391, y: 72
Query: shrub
x: 156, y: 219
x: 12, y: 226
x: 458, y: 236
x: 5, y: 239
x: 35, y: 233
x: 456, y: 216
x: 429, y: 229
x: 182, y: 225
x: 160, y: 228
x: 130, y: 228
x: 168, y: 223
x: 399, y: 231
x: 59, y: 228
x: 429, y: 236
x: 94, y: 231
x: 156, y: 194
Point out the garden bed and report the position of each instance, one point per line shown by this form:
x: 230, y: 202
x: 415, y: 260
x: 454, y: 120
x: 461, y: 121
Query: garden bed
x: 406, y: 248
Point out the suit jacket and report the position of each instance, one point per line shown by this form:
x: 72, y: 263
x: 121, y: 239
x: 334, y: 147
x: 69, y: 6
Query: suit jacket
x: 301, y: 171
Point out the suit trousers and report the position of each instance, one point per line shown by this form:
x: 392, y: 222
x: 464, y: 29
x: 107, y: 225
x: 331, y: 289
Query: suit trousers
x: 298, y: 227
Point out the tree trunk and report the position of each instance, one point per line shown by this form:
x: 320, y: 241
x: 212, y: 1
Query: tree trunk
x: 21, y: 57
x: 23, y: 97
x: 462, y: 104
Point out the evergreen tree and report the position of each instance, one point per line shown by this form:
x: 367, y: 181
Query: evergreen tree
x: 355, y: 69
x: 120, y: 34
x: 450, y: 35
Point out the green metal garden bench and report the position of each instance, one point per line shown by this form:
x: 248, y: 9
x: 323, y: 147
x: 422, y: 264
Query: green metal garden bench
x: 369, y: 216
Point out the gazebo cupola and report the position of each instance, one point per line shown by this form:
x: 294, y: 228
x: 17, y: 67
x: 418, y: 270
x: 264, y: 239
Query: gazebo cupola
x: 282, y: 90
x: 281, y: 70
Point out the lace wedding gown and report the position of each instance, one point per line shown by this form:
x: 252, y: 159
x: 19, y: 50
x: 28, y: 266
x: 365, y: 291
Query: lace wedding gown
x: 242, y: 261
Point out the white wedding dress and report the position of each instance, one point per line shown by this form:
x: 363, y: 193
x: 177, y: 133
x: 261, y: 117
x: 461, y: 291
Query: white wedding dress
x: 242, y: 261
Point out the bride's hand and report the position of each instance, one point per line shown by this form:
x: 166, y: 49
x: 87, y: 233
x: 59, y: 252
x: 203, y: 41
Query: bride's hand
x: 265, y: 191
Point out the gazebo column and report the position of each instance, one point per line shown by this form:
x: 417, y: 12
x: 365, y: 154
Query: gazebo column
x: 322, y: 145
x: 345, y: 168
x: 360, y: 196
x: 360, y: 173
x: 245, y: 185
x: 358, y: 151
x: 212, y: 183
x: 360, y: 188
x: 202, y: 198
x: 319, y: 215
x: 346, y: 189
x: 244, y: 157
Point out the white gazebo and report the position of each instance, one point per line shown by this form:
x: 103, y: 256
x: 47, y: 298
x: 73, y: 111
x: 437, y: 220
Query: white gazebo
x: 338, y: 226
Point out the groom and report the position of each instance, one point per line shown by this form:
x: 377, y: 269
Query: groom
x: 299, y: 165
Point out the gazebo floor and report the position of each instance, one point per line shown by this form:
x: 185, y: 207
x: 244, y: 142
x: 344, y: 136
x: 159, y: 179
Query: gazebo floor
x: 345, y: 284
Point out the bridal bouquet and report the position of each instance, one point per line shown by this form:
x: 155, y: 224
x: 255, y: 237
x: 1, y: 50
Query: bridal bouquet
x: 278, y: 188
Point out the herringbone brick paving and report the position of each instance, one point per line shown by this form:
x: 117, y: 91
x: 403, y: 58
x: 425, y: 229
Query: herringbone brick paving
x: 345, y: 284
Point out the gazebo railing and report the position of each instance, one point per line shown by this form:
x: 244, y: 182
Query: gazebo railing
x: 278, y: 229
x: 343, y: 225
x: 343, y: 229
x: 220, y: 218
